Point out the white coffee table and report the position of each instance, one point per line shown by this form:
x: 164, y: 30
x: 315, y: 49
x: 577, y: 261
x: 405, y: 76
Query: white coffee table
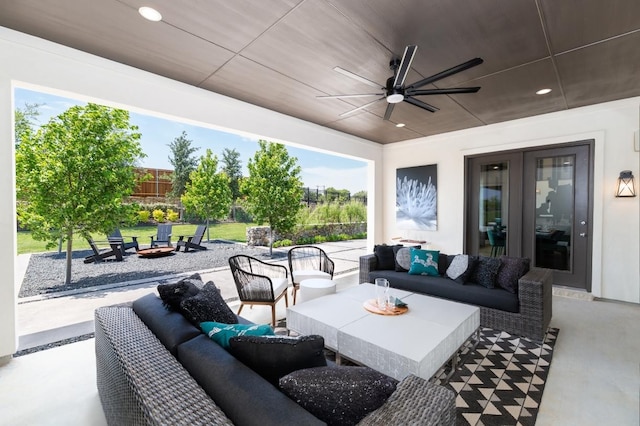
x: 418, y: 342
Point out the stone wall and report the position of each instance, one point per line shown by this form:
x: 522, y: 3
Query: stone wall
x: 258, y: 236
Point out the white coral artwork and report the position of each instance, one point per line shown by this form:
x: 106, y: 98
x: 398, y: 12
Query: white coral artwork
x: 416, y: 203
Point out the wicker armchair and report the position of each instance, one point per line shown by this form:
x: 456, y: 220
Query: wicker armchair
x: 308, y: 262
x: 259, y: 283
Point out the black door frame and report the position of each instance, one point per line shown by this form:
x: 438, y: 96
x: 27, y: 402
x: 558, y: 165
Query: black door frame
x: 516, y: 206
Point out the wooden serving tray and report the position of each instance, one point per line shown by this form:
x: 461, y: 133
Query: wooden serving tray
x: 372, y: 306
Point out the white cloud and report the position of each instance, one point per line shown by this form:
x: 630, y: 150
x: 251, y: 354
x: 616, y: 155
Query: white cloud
x: 353, y: 179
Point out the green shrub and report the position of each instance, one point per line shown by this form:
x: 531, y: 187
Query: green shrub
x: 319, y: 239
x: 158, y: 215
x: 173, y: 216
x: 282, y: 243
x: 143, y: 216
x: 304, y: 240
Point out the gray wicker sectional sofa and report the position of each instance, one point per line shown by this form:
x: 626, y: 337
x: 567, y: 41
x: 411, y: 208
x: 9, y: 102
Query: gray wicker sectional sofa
x: 525, y: 310
x: 156, y: 368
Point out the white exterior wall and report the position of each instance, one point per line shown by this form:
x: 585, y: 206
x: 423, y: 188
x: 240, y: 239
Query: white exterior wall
x: 616, y: 221
x: 35, y: 63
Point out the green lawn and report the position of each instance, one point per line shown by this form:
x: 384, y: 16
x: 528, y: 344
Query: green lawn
x: 225, y: 231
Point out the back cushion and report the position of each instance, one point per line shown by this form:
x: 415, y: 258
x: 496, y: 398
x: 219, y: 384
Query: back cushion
x: 170, y: 327
x: 385, y: 256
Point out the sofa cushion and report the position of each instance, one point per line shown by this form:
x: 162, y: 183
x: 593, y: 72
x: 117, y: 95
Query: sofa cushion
x: 486, y: 271
x: 402, y: 258
x: 444, y: 260
x: 424, y: 262
x: 170, y: 327
x: 461, y: 268
x: 385, y: 256
x: 512, y: 269
x: 221, y: 333
x: 339, y: 395
x: 275, y: 356
x: 244, y: 396
x: 299, y: 276
x: 207, y: 305
x: 174, y: 293
x: 446, y: 288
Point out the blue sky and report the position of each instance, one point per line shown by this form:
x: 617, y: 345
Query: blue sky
x: 318, y: 169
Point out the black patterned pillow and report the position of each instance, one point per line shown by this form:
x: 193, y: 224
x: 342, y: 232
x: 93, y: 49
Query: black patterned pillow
x: 461, y: 268
x: 512, y: 269
x: 486, y: 271
x: 338, y: 395
x: 275, y: 356
x: 173, y: 294
x: 207, y: 305
x: 385, y: 257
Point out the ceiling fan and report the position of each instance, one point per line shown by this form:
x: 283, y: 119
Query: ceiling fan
x: 395, y: 90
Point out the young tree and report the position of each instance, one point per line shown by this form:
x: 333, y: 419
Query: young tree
x: 233, y: 168
x: 183, y: 163
x: 207, y: 193
x: 73, y: 173
x: 273, y: 188
x: 25, y: 121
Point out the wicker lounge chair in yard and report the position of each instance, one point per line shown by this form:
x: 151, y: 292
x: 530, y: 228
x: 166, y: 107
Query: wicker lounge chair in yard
x: 114, y: 250
x: 163, y: 236
x: 117, y: 237
x: 193, y: 241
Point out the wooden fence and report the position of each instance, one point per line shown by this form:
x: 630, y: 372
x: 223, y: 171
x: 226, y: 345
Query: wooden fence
x: 158, y: 186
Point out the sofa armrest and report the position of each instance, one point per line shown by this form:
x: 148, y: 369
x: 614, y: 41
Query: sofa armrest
x: 416, y: 399
x: 139, y: 382
x: 535, y: 296
x: 368, y: 263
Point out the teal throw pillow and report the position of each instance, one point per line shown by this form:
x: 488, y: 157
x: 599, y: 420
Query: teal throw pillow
x: 221, y: 333
x: 424, y: 262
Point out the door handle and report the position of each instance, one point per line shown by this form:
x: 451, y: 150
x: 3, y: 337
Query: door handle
x: 583, y: 234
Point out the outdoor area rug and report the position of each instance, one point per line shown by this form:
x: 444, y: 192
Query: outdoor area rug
x: 502, y: 380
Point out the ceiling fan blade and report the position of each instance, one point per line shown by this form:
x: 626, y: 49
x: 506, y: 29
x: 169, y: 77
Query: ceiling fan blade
x: 387, y: 113
x: 450, y: 91
x: 405, y: 65
x: 361, y: 107
x: 357, y: 77
x: 443, y: 74
x: 421, y: 104
x: 364, y: 95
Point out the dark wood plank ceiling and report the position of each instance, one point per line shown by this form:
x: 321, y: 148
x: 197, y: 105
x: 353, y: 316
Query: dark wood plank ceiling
x: 280, y: 54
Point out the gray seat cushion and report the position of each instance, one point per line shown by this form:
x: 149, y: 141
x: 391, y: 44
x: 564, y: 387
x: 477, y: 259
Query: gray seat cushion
x: 244, y: 396
x: 446, y: 288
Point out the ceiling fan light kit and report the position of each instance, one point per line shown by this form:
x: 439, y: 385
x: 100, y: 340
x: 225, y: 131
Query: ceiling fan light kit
x: 395, y: 90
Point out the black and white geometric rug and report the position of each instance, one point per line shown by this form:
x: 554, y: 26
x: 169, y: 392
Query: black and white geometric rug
x: 502, y: 380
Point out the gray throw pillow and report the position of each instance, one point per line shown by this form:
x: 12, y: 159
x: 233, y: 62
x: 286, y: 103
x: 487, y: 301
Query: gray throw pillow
x: 207, y: 305
x: 173, y: 294
x: 512, y: 269
x: 486, y: 271
x: 461, y: 268
x: 338, y: 395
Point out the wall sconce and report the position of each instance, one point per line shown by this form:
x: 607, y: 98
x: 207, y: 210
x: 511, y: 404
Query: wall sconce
x: 625, y: 187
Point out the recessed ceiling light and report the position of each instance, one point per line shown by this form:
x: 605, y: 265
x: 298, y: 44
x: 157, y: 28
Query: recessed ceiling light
x: 150, y: 13
x: 543, y: 91
x: 400, y: 125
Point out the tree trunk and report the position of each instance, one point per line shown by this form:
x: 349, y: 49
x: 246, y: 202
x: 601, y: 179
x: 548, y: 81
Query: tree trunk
x: 67, y: 279
x: 270, y: 242
x: 208, y: 240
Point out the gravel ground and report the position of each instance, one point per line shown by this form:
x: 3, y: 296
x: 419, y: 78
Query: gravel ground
x: 46, y: 271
